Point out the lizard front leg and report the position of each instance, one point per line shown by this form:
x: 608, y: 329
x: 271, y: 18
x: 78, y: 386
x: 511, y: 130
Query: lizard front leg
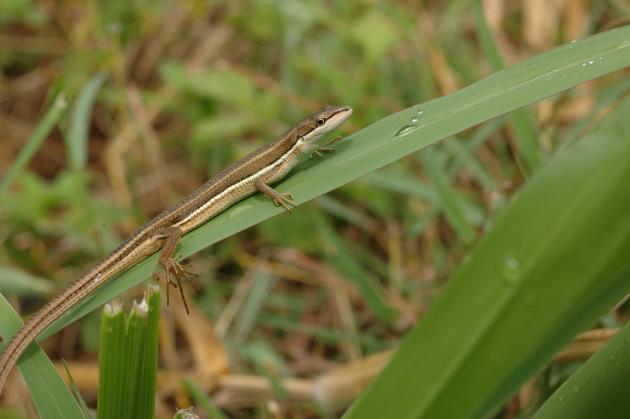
x: 327, y: 147
x: 284, y: 199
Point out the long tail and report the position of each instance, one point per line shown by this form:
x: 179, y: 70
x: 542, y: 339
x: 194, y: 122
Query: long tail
x: 41, y: 320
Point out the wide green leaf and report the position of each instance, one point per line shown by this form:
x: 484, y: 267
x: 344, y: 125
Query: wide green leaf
x: 598, y: 389
x: 551, y: 264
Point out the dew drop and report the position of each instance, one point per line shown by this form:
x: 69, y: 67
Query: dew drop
x: 510, y: 270
x: 414, y: 119
x: 512, y: 263
x: 405, y: 130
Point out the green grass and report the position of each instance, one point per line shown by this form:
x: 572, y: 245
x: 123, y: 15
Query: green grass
x: 378, y: 145
x: 550, y: 266
x: 49, y: 393
x: 597, y: 388
x: 162, y: 95
x: 128, y: 359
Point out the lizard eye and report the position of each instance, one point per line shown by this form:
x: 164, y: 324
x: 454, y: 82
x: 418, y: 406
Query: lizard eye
x: 320, y: 121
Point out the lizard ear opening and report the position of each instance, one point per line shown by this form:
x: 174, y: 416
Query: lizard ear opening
x: 320, y: 121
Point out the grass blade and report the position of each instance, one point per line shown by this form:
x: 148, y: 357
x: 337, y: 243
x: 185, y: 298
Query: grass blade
x: 48, y: 122
x: 452, y: 203
x: 521, y: 121
x: 599, y: 388
x: 15, y: 281
x: 51, y: 396
x: 128, y: 360
x: 383, y: 142
x: 77, y: 137
x: 202, y: 400
x: 553, y: 263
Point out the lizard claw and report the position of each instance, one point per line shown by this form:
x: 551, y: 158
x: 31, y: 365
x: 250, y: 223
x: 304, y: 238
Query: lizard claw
x: 174, y: 268
x: 286, y: 200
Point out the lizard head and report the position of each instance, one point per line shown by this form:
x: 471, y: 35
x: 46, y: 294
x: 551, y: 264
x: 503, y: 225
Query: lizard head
x: 321, y: 122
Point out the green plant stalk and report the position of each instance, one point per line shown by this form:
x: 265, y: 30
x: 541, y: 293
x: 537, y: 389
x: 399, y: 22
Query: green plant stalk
x: 51, y: 396
x: 128, y: 360
x: 202, y: 400
x: 452, y: 203
x: 77, y: 137
x: 599, y: 388
x: 521, y: 121
x: 54, y: 114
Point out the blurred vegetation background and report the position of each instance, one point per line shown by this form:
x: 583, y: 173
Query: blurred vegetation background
x: 147, y: 99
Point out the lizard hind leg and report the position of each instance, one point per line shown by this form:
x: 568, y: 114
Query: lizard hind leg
x: 171, y: 236
x: 284, y: 199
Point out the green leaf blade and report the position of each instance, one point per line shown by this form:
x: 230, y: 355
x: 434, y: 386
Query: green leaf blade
x: 128, y: 360
x: 599, y: 388
x: 77, y: 137
x: 51, y: 396
x: 376, y: 146
x: 553, y: 262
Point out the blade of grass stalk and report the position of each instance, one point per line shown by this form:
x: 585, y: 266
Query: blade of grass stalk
x: 409, y: 185
x: 521, y: 121
x: 76, y: 393
x: 464, y: 155
x: 268, y: 363
x: 128, y: 359
x: 452, y: 202
x: 608, y: 97
x: 328, y: 335
x: 262, y: 285
x: 340, y: 210
x: 341, y: 259
x: 77, y: 136
x: 401, y: 183
x: 460, y: 152
x: 110, y: 397
x: 48, y: 122
x: 147, y: 373
x: 554, y: 262
x: 202, y: 400
x: 599, y: 388
x: 51, y: 396
x: 378, y: 145
x: 423, y: 221
x: 15, y: 281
